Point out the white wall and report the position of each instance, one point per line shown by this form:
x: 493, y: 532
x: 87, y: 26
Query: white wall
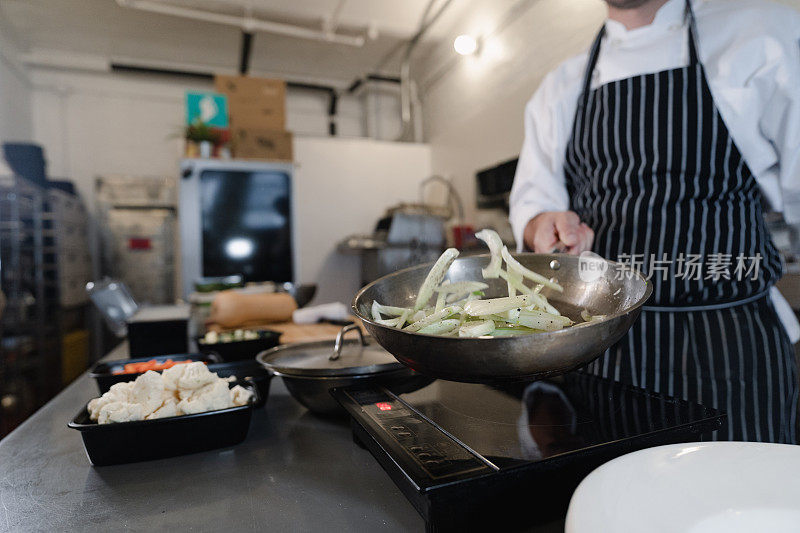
x: 94, y: 124
x: 473, y: 111
x: 342, y: 187
x: 15, y: 88
x: 97, y: 124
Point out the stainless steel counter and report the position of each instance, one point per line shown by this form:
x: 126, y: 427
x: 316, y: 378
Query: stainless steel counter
x: 295, y: 472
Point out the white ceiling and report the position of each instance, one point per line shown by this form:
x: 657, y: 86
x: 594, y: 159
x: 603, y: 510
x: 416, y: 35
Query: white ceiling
x: 394, y: 17
x: 103, y: 29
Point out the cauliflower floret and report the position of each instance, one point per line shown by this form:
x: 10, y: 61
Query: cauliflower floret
x: 195, y: 376
x: 120, y: 412
x: 119, y: 392
x: 211, y: 397
x: 122, y: 390
x: 148, y: 391
x: 168, y: 395
x: 96, y: 404
x: 169, y: 408
x: 240, y: 395
x: 172, y: 375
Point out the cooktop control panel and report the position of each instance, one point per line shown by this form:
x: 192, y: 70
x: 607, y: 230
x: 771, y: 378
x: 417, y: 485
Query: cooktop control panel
x: 424, y: 449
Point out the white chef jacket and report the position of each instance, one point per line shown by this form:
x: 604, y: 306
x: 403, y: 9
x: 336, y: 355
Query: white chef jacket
x: 751, y: 53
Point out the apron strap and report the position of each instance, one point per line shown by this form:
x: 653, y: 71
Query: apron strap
x: 594, y: 52
x: 692, y: 34
x: 587, y: 75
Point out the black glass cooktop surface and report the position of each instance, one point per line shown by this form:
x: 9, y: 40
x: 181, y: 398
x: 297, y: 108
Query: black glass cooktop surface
x: 535, y: 421
x: 453, y: 447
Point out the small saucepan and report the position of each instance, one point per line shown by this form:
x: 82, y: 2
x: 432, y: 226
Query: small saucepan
x: 311, y: 369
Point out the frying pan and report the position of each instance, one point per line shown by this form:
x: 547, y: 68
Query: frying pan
x: 599, y: 286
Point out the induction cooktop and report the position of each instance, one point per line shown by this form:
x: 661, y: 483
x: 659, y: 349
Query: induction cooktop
x: 472, y: 456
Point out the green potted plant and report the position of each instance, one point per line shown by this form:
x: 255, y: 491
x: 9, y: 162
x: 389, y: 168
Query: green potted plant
x: 200, y: 139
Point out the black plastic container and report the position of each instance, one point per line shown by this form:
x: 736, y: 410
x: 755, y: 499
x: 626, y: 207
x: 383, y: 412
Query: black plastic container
x: 103, y: 372
x: 158, y: 329
x: 241, y: 350
x: 130, y: 442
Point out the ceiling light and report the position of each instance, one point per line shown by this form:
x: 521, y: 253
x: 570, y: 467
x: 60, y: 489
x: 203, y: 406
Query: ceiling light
x: 465, y: 45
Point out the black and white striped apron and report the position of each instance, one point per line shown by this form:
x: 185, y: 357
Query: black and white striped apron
x: 653, y: 170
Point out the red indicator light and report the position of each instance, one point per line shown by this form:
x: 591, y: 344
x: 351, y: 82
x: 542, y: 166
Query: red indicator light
x: 384, y: 406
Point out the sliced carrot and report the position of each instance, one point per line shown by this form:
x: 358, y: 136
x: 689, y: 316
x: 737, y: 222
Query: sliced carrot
x: 152, y: 364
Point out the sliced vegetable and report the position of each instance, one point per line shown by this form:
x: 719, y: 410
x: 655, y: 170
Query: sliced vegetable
x: 461, y: 287
x: 435, y: 277
x: 542, y: 302
x: 476, y: 329
x: 440, y: 301
x: 419, y: 315
x: 496, y: 305
x: 455, y: 298
x: 512, y: 331
x: 542, y: 320
x: 152, y: 364
x: 495, y: 244
x: 558, y: 318
x: 401, y: 320
x: 463, y: 301
x: 391, y: 322
x: 511, y: 315
x: 391, y: 310
x: 440, y: 328
x: 433, y: 318
x: 376, y: 310
x: 512, y: 280
x: 515, y: 281
x: 517, y: 267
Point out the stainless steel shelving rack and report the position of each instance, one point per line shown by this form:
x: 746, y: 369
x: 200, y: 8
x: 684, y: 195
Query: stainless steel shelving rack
x: 29, y: 349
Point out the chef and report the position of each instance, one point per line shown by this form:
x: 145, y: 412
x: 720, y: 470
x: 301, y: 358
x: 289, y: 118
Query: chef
x: 659, y: 148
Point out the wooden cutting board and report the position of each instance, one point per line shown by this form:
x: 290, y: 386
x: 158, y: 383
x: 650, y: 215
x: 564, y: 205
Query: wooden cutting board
x: 292, y: 332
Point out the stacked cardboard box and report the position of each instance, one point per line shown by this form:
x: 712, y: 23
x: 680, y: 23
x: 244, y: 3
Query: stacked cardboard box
x: 257, y: 112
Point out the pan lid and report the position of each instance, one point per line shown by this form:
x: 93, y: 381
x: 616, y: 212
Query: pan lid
x: 353, y: 357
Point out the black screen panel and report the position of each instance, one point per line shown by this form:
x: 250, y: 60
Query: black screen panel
x: 246, y: 218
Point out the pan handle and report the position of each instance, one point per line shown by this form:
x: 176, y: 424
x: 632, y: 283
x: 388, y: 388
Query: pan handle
x: 337, y: 346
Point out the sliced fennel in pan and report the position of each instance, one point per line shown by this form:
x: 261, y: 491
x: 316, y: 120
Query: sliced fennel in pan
x: 459, y: 309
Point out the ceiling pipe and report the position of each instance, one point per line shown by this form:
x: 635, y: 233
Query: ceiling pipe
x: 359, y: 82
x: 244, y: 55
x: 248, y: 24
x: 406, y: 131
x: 331, y: 22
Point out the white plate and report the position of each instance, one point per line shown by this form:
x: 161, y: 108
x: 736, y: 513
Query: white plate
x: 704, y: 487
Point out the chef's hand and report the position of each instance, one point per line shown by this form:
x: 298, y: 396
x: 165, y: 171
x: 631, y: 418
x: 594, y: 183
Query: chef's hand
x: 550, y: 229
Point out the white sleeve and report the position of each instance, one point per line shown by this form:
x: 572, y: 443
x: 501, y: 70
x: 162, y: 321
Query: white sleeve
x: 780, y: 122
x: 539, y: 180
